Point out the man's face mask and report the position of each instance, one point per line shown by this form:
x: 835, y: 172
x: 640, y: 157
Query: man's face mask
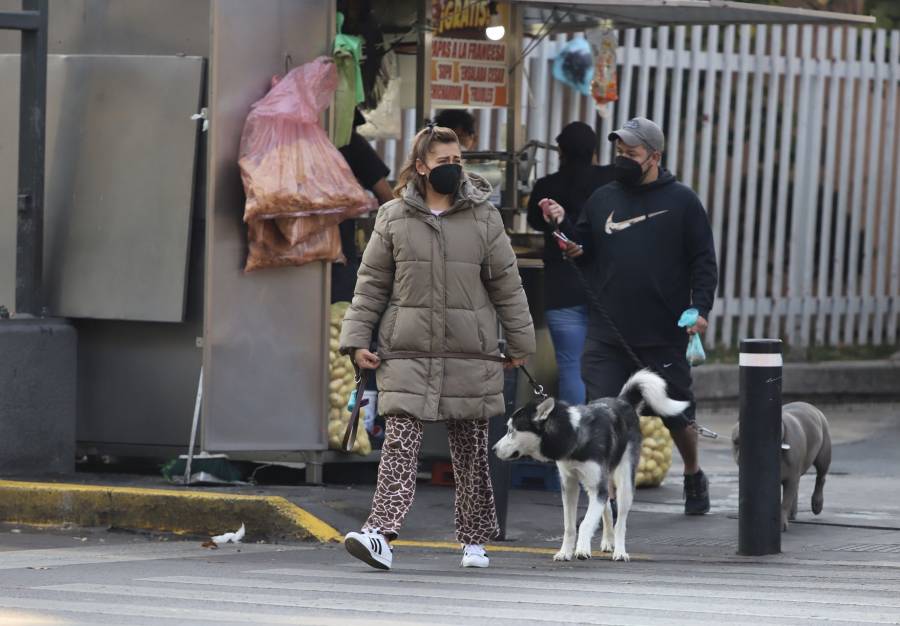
x: 445, y: 178
x: 630, y: 172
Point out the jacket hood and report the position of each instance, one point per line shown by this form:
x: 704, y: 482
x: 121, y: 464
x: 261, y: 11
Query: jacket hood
x: 665, y: 178
x: 473, y: 191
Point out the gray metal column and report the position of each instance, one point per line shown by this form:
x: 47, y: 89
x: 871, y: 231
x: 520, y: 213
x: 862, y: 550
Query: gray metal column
x: 32, y: 22
x: 759, y: 476
x: 423, y: 62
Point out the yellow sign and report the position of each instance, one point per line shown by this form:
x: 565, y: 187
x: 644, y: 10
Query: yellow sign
x: 466, y: 68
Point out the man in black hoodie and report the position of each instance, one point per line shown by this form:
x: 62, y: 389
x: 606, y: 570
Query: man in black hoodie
x: 647, y: 251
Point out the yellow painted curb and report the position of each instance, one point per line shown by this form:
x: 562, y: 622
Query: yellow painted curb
x: 188, y: 512
x: 163, y: 510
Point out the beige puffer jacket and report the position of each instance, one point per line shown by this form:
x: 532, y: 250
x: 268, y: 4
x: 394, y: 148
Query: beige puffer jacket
x: 439, y: 284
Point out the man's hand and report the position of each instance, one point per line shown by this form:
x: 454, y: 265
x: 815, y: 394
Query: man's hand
x: 553, y: 212
x: 573, y: 250
x: 513, y: 363
x: 366, y: 360
x: 699, y: 328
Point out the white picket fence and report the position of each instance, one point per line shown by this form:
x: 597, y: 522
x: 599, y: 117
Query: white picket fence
x: 790, y: 137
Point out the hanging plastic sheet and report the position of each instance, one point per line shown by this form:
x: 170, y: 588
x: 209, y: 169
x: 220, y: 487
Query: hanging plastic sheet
x: 604, y: 86
x: 350, y: 92
x: 574, y: 65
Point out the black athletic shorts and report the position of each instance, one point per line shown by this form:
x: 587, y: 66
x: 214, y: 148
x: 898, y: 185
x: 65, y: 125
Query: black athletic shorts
x: 606, y: 367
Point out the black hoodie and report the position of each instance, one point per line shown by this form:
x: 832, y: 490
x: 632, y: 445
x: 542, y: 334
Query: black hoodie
x: 649, y: 255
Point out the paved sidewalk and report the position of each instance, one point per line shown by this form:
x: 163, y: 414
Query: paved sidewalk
x: 842, y: 567
x: 861, y: 500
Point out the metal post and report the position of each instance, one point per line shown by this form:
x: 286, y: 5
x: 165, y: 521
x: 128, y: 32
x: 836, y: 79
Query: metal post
x: 759, y: 475
x: 423, y: 62
x: 32, y: 124
x: 501, y: 470
x: 514, y: 127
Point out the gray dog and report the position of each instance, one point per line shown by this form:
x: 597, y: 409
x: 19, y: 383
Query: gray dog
x: 805, y: 441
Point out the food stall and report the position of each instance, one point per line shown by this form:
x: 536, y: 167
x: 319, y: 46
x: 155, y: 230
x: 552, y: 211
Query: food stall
x: 145, y: 245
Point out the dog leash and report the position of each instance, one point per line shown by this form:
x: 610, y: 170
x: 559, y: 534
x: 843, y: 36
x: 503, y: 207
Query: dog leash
x: 598, y: 305
x: 362, y: 379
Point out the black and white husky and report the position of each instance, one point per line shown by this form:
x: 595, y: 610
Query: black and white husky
x: 590, y: 444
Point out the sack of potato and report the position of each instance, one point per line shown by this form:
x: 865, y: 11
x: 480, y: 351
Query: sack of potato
x: 656, y: 452
x: 341, y: 386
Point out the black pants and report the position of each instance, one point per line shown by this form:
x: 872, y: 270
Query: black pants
x: 606, y: 367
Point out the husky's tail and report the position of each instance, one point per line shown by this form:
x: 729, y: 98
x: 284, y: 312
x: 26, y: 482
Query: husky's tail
x: 647, y: 387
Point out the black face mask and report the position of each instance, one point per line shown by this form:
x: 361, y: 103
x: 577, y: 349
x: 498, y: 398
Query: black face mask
x: 628, y: 171
x: 445, y: 178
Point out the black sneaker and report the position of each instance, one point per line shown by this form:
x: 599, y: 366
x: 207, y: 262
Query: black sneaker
x: 696, y: 494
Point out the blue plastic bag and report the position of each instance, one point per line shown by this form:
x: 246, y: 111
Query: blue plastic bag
x: 695, y: 353
x: 351, y: 401
x: 574, y: 65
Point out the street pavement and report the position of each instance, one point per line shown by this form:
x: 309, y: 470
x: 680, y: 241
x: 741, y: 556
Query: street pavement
x: 842, y: 567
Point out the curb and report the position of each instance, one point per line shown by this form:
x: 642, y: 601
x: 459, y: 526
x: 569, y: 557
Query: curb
x: 832, y: 380
x: 186, y: 512
x: 162, y: 510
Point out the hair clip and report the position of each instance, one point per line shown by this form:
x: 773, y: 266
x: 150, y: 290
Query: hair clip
x: 430, y: 126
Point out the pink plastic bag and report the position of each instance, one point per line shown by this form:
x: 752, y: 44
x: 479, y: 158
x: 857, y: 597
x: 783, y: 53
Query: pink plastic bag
x: 288, y: 165
x: 269, y: 248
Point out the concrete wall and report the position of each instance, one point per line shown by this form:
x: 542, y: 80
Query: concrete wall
x: 37, y: 397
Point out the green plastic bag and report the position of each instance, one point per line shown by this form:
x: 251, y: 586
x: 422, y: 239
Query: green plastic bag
x: 347, y: 55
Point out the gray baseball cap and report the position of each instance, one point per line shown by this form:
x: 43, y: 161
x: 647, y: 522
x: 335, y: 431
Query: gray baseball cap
x: 640, y: 130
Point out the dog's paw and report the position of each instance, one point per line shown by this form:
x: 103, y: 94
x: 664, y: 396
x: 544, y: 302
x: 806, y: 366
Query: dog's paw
x: 620, y: 555
x: 583, y: 555
x: 563, y: 555
x: 606, y: 545
x: 818, y: 502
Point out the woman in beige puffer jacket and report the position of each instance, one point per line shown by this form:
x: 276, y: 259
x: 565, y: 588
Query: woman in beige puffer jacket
x: 437, y: 274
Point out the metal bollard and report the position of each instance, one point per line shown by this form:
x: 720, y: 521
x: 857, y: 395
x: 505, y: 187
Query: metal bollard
x: 759, y: 471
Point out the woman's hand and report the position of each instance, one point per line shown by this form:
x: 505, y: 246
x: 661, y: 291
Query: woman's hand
x: 513, y: 363
x: 553, y: 212
x: 366, y: 360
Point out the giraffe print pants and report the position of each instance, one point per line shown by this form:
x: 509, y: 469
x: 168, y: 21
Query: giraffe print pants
x: 476, y: 517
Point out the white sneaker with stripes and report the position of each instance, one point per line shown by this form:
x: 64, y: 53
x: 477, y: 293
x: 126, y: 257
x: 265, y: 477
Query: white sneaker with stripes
x: 370, y: 547
x: 474, y: 556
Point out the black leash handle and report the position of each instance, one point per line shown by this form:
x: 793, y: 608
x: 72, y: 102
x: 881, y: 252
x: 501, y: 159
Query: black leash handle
x: 362, y: 378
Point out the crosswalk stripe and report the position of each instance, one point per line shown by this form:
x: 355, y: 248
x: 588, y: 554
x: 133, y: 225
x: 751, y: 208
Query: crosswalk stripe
x: 362, y: 602
x: 746, y: 604
x: 120, y: 553
x: 590, y: 578
x: 809, y: 570
x: 181, y: 614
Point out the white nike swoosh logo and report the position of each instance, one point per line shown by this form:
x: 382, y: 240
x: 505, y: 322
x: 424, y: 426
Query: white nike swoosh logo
x: 614, y: 227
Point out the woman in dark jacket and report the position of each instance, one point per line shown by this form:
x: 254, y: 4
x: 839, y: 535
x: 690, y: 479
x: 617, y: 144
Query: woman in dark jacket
x: 564, y: 298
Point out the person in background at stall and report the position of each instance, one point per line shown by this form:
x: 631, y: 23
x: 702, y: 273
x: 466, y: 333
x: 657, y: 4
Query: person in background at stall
x: 646, y: 243
x: 371, y: 172
x: 461, y: 122
x: 565, y: 301
x: 436, y: 275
